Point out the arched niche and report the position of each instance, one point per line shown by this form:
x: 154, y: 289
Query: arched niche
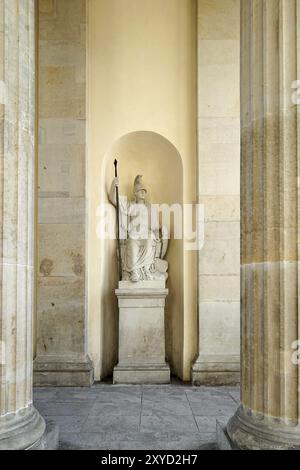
x: 153, y: 156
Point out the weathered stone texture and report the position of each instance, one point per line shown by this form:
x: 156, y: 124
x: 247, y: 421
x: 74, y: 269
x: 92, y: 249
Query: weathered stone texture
x: 142, y: 343
x: 61, y: 315
x: 20, y: 424
x: 269, y: 416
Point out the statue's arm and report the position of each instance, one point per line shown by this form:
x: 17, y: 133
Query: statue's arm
x: 112, y: 193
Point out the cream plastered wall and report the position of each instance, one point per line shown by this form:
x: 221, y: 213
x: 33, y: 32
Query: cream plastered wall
x: 141, y: 77
x: 219, y: 189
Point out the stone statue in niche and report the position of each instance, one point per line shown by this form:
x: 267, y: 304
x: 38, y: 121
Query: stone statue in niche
x: 143, y: 243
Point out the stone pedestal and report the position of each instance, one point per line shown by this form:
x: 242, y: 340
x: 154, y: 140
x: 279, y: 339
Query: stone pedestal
x: 269, y: 415
x: 142, y: 333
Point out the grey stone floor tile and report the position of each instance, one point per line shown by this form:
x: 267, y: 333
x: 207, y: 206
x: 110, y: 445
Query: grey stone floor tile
x: 119, y: 397
x: 54, y: 408
x: 172, y: 405
x: 209, y: 423
x: 208, y: 408
x: 190, y: 444
x: 107, y: 423
x: 223, y: 388
x: 235, y: 394
x: 143, y: 437
x: 165, y: 394
x: 138, y: 445
x: 168, y: 422
x: 109, y: 417
x: 211, y: 399
x: 86, y: 441
x: 167, y: 445
x: 45, y: 393
x: 78, y: 394
x: 69, y: 424
x: 116, y: 409
x: 128, y: 390
x: 198, y: 393
x: 163, y: 390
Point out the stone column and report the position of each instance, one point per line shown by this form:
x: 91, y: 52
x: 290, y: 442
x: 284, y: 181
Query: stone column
x: 268, y: 417
x: 21, y: 426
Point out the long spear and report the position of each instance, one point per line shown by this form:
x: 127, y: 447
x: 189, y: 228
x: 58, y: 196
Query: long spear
x: 118, y: 222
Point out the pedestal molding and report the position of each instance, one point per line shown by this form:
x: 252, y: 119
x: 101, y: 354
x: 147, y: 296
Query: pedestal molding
x: 63, y: 372
x: 140, y: 293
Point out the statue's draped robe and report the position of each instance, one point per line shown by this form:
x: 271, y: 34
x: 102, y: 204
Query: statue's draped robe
x: 138, y: 223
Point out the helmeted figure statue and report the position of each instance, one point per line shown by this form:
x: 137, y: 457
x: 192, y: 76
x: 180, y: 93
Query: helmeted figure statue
x: 143, y: 243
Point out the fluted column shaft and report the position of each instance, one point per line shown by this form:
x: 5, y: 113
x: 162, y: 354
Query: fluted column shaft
x: 269, y: 416
x: 20, y: 424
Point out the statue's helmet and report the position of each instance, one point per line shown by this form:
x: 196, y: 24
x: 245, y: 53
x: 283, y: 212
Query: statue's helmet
x: 138, y: 184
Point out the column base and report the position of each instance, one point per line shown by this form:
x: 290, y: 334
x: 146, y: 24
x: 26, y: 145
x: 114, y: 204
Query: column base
x: 50, y: 438
x: 62, y: 372
x: 22, y: 430
x: 216, y: 373
x: 249, y: 431
x: 145, y: 374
